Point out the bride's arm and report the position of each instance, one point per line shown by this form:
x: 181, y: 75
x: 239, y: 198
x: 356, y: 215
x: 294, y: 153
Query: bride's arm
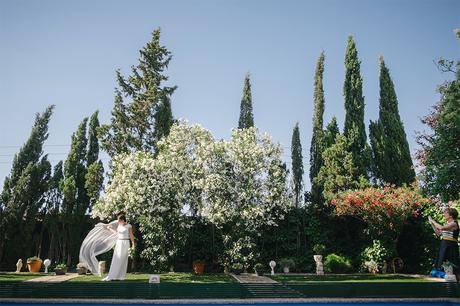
x: 131, y: 236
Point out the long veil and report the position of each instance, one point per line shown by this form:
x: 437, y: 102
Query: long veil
x: 98, y: 241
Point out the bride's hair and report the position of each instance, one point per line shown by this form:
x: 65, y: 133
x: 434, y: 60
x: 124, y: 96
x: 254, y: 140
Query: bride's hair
x: 122, y: 217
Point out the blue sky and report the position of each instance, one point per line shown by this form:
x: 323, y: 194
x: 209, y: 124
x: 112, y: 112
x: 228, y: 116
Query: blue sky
x: 66, y: 52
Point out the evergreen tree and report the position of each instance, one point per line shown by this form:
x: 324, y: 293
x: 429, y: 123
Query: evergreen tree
x: 297, y: 164
x: 163, y: 119
x: 76, y: 199
x: 246, y: 117
x: 354, y: 110
x: 132, y: 126
x: 23, y: 193
x: 393, y: 163
x: 316, y: 148
x: 330, y: 134
x: 338, y: 170
x: 93, y: 140
x: 94, y: 177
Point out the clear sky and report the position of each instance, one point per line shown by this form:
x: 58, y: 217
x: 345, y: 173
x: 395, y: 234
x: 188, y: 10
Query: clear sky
x: 66, y: 52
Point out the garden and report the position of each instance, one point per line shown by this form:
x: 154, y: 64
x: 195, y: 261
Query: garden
x: 206, y: 210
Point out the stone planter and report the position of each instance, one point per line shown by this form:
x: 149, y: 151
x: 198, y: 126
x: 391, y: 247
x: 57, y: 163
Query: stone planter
x: 286, y: 270
x: 34, y: 265
x: 82, y: 271
x: 62, y: 271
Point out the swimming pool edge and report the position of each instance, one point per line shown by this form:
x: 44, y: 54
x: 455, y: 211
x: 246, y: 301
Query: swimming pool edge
x: 228, y: 301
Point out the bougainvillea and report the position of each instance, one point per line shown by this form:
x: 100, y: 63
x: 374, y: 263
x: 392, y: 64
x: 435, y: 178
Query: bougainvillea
x: 384, y: 210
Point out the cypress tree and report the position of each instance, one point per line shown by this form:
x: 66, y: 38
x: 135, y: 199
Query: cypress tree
x: 76, y: 200
x: 93, y: 141
x: 316, y: 148
x: 23, y: 193
x: 354, y: 128
x: 246, y: 117
x: 392, y: 160
x: 94, y: 177
x: 297, y: 164
x: 132, y: 124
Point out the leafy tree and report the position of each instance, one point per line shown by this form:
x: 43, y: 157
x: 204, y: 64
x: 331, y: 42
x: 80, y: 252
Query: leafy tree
x: 316, y: 147
x: 297, y: 164
x: 354, y: 110
x: 132, y: 126
x: 246, y: 117
x: 391, y: 154
x: 440, y: 153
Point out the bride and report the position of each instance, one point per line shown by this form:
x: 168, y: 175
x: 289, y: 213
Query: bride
x: 119, y: 263
x: 102, y: 238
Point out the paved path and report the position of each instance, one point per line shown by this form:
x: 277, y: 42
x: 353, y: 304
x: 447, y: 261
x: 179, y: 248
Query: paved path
x: 53, y: 278
x: 248, y: 278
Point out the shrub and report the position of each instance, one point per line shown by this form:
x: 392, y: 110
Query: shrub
x: 33, y: 258
x: 258, y: 267
x: 318, y: 249
x: 61, y: 266
x: 337, y: 264
x: 373, y: 258
x: 287, y: 262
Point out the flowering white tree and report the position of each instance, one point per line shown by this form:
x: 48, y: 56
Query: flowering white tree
x: 238, y: 185
x: 243, y: 189
x: 156, y: 191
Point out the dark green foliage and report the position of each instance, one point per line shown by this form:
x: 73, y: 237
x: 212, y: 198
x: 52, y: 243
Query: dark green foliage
x: 297, y: 164
x: 392, y: 162
x: 354, y: 128
x: 317, y: 148
x: 94, y: 177
x: 337, y: 264
x: 246, y: 116
x: 440, y: 153
x: 93, y: 141
x: 132, y: 126
x: 23, y: 193
x: 163, y: 119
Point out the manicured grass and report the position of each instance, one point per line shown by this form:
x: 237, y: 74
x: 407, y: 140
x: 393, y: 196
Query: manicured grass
x: 13, y: 276
x: 165, y: 278
x: 349, y: 278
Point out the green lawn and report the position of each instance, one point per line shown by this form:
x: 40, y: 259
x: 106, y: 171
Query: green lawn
x: 165, y: 278
x: 348, y: 278
x: 13, y: 276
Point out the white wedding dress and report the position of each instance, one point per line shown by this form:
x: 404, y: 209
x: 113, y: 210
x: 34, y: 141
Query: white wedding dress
x: 119, y: 263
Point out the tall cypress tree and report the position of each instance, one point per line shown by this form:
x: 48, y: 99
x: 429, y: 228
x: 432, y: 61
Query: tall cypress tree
x: 316, y: 148
x: 23, y: 193
x: 132, y: 123
x: 94, y: 176
x: 392, y: 160
x: 246, y: 117
x: 297, y: 164
x: 76, y: 200
x: 354, y: 128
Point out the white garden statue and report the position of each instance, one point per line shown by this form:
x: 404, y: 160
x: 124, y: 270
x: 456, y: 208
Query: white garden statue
x: 272, y: 266
x: 319, y: 264
x: 46, y: 263
x: 19, y: 265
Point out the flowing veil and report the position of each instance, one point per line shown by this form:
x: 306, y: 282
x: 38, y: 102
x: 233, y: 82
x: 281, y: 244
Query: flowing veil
x: 98, y: 241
